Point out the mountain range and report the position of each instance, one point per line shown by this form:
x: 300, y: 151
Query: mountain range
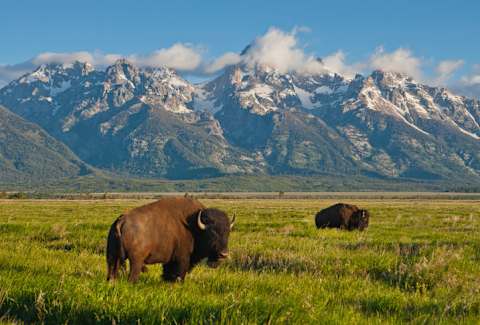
x: 249, y: 120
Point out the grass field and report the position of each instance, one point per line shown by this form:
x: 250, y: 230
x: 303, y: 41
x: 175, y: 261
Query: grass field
x: 418, y: 262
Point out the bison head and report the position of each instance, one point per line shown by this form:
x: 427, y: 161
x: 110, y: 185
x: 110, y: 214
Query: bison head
x: 359, y: 220
x: 212, y: 243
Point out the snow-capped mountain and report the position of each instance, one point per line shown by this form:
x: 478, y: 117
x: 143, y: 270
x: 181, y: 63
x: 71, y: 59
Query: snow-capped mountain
x: 382, y: 124
x: 139, y: 121
x: 252, y: 119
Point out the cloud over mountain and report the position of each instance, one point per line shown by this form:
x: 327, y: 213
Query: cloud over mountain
x: 470, y: 84
x: 154, y: 123
x: 229, y: 58
x: 278, y: 49
x: 401, y: 60
x: 446, y: 69
x: 182, y: 57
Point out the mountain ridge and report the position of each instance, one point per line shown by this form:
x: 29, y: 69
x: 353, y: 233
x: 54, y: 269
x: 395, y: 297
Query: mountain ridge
x: 29, y: 155
x: 150, y: 122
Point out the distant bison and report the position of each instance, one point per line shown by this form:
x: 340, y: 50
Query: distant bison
x: 343, y: 216
x: 176, y: 232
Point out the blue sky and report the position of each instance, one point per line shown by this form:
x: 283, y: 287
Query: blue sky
x: 431, y: 31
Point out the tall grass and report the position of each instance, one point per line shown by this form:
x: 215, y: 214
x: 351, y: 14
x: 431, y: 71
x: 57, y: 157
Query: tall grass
x: 418, y: 262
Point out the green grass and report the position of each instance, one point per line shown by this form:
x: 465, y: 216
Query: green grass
x: 418, y: 262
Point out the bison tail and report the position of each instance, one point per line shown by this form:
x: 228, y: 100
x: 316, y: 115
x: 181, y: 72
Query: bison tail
x: 115, y: 250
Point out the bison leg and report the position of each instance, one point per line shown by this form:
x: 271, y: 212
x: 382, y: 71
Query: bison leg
x: 112, y: 270
x: 170, y: 271
x: 176, y: 270
x: 183, y: 267
x: 135, y: 270
x: 114, y: 265
x: 144, y: 269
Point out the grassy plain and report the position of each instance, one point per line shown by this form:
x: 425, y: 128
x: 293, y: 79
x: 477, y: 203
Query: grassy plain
x: 418, y: 262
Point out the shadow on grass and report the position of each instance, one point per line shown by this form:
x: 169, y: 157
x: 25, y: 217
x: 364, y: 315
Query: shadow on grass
x: 261, y: 263
x: 95, y: 248
x: 29, y: 308
x: 40, y: 308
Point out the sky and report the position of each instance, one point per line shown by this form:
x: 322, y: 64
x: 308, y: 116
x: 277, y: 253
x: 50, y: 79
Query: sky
x: 436, y: 42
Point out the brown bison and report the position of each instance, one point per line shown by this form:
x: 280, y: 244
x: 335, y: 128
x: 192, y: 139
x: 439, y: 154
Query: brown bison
x: 343, y: 216
x: 176, y: 232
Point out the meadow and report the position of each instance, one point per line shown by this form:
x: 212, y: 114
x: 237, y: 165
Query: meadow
x: 418, y: 262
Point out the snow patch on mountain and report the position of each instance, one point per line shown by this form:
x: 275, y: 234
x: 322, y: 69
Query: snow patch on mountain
x: 294, y: 121
x: 325, y: 90
x: 469, y: 134
x: 204, y: 101
x: 305, y: 97
x: 38, y: 75
x: 257, y: 98
x: 65, y: 85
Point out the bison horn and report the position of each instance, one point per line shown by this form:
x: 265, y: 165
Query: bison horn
x: 233, y: 221
x: 200, y: 224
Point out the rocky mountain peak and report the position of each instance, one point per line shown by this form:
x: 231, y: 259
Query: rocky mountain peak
x: 391, y: 80
x: 251, y: 119
x: 121, y: 72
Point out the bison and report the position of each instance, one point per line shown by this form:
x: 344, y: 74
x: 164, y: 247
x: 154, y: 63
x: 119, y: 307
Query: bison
x: 176, y: 232
x: 343, y: 216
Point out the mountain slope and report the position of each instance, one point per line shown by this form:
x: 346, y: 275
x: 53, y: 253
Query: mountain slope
x: 29, y: 154
x: 252, y: 120
x: 126, y: 120
x: 399, y: 129
x: 383, y: 125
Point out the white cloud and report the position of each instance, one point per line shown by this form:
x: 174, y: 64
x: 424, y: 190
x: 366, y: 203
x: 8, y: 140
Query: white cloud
x: 469, y: 85
x: 474, y: 78
x: 445, y: 70
x: 11, y: 72
x: 179, y: 56
x: 183, y: 57
x: 221, y: 62
x: 301, y: 29
x: 96, y: 58
x: 279, y: 50
x: 336, y: 62
x: 404, y: 61
x: 53, y: 57
x: 276, y: 48
x: 401, y: 61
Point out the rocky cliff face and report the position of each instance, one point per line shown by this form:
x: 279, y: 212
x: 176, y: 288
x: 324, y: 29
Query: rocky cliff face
x: 251, y: 120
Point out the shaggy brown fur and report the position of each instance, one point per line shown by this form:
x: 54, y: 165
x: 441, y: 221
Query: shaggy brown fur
x: 343, y: 216
x: 167, y: 232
